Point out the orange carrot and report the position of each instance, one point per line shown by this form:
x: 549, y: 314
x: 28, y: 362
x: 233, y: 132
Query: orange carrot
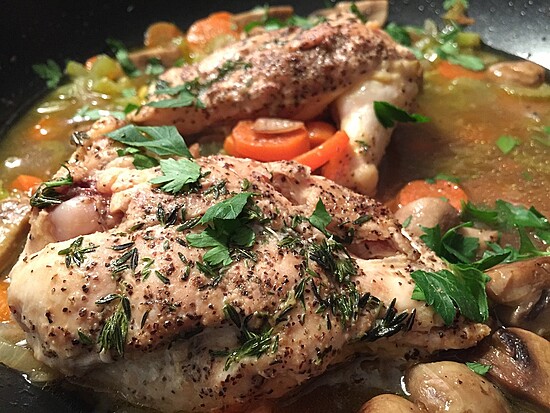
x: 319, y: 132
x: 414, y: 190
x: 5, y: 313
x: 451, y: 71
x: 248, y: 143
x: 90, y: 62
x: 161, y: 33
x: 323, y: 153
x: 203, y: 31
x: 46, y: 127
x: 26, y: 183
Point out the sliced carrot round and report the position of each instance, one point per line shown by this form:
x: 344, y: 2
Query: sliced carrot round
x: 5, y: 314
x: 25, y: 183
x: 332, y: 147
x: 447, y: 190
x: 319, y: 132
x: 205, y: 30
x: 451, y: 71
x: 161, y: 33
x: 246, y: 142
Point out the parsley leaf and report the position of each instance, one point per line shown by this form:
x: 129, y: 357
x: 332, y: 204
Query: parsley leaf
x: 320, y: 217
x: 154, y: 67
x: 507, y: 143
x: 452, y: 246
x: 463, y: 289
x: 355, y: 10
x: 399, y: 34
x: 479, y: 368
x: 50, y: 72
x: 176, y: 175
x: 387, y: 115
x: 161, y: 140
x: 227, y: 209
x: 121, y: 54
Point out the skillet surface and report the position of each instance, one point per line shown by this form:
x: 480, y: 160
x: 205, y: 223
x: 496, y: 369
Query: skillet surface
x: 34, y: 31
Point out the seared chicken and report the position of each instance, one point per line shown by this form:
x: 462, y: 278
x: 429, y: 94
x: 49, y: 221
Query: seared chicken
x: 297, y: 73
x: 288, y: 305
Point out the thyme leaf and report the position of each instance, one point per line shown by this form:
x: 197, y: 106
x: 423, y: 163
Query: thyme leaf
x: 46, y: 195
x: 114, y: 331
x: 74, y: 254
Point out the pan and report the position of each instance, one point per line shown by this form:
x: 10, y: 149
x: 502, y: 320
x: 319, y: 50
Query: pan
x: 33, y: 32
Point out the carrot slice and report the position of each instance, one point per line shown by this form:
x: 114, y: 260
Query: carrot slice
x: 5, y: 314
x: 203, y: 31
x: 414, y: 190
x: 25, y: 183
x: 248, y: 143
x: 451, y: 71
x: 323, y: 153
x: 47, y: 127
x: 161, y: 33
x: 319, y: 132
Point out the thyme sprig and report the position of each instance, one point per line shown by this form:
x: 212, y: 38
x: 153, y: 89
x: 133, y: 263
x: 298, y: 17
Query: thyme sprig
x: 46, y: 195
x: 114, y: 331
x: 74, y: 254
x: 391, y: 324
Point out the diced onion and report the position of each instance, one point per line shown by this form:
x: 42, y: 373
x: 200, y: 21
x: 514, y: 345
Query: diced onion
x: 275, y: 125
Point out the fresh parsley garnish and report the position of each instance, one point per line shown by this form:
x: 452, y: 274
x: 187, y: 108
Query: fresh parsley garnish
x: 399, y: 34
x: 50, y: 72
x: 160, y: 140
x: 114, y: 331
x: 229, y: 208
x: 461, y: 289
x: 320, y: 217
x: 74, y: 254
x: 479, y: 368
x: 47, y: 195
x: 154, y: 67
x: 177, y: 175
x: 121, y: 55
x: 507, y: 143
x: 387, y: 114
x: 273, y: 23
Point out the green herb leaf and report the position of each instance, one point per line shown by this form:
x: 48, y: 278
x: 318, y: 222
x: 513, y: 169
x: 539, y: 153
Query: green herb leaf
x: 121, y: 54
x: 184, y: 99
x: 320, y: 217
x: 399, y: 34
x: 479, y: 368
x: 448, y: 4
x: 154, y: 67
x: 46, y: 195
x: 161, y: 140
x: 355, y: 10
x: 227, y: 209
x: 114, y: 331
x: 50, y: 72
x: 467, y: 61
x: 74, y: 254
x: 387, y: 115
x: 446, y: 291
x: 177, y: 175
x: 507, y: 143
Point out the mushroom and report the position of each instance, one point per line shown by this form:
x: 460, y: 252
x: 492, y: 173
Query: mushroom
x: 428, y: 212
x: 257, y: 14
x: 448, y: 386
x: 389, y: 403
x: 520, y: 363
x: 372, y: 10
x: 521, y: 291
x: 517, y: 73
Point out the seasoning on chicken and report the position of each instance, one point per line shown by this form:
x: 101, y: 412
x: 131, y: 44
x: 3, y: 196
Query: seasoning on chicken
x: 235, y: 286
x: 297, y: 73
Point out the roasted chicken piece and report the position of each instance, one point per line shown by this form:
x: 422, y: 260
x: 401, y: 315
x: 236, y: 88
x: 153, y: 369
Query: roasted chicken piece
x: 297, y: 73
x: 139, y: 308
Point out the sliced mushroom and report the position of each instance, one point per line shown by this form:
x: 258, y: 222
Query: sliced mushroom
x: 259, y: 13
x: 14, y: 225
x: 373, y: 10
x: 167, y: 54
x: 452, y: 387
x: 428, y: 212
x: 517, y: 73
x: 520, y: 363
x: 521, y: 291
x: 389, y: 403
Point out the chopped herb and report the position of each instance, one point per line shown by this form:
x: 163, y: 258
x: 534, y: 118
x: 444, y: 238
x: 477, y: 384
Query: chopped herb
x: 122, y: 247
x: 146, y: 270
x: 479, y: 368
x: 334, y: 259
x: 391, y: 324
x: 130, y: 107
x: 85, y: 114
x: 50, y: 72
x: 161, y: 277
x: 190, y: 223
x: 273, y: 23
x: 355, y: 10
x: 362, y: 219
x: 387, y: 115
x: 160, y: 140
x: 245, y: 184
x: 227, y: 209
x: 507, y: 143
x: 217, y: 189
x: 320, y: 217
x: 399, y: 34
x: 114, y: 331
x: 128, y: 260
x: 154, y: 67
x: 121, y: 54
x: 74, y: 254
x: 443, y: 177
x: 452, y: 246
x: 84, y: 339
x: 177, y: 175
x: 463, y: 289
x: 144, y: 318
x: 46, y: 195
x: 407, y: 221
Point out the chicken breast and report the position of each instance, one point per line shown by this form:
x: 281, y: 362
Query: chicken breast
x: 138, y: 307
